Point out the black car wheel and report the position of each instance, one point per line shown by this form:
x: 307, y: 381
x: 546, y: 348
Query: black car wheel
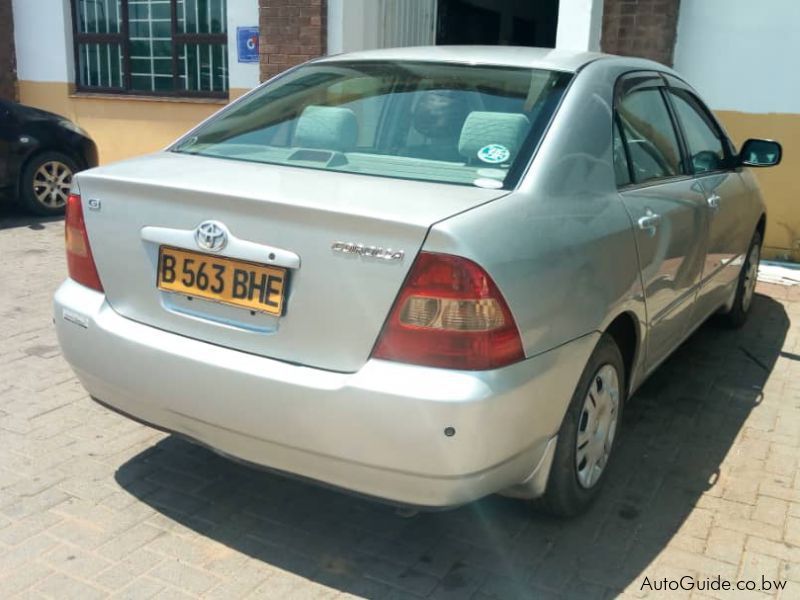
x: 45, y: 184
x: 745, y: 286
x: 588, y: 432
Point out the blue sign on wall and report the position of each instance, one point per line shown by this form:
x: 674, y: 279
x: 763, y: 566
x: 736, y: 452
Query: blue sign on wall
x: 247, y: 44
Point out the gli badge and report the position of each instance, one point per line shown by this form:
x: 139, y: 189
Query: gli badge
x: 211, y: 236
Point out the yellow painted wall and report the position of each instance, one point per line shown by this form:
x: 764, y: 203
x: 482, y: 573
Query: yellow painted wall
x: 780, y: 185
x: 121, y: 126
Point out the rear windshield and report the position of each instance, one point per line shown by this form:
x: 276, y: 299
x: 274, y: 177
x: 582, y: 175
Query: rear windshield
x: 449, y: 123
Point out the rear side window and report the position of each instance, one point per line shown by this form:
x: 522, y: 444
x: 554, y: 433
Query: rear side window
x: 649, y: 135
x: 706, y: 149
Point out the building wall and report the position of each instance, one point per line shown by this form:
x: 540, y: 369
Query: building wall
x: 8, y: 67
x: 122, y: 126
x: 292, y: 32
x: 644, y: 28
x: 354, y: 24
x: 579, y: 24
x: 744, y: 59
x: 367, y: 24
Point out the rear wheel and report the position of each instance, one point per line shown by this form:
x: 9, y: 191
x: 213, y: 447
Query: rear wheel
x: 45, y: 184
x: 588, y: 432
x: 746, y: 286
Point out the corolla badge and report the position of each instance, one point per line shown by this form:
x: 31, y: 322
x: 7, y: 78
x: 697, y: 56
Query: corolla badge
x: 366, y: 251
x: 211, y: 236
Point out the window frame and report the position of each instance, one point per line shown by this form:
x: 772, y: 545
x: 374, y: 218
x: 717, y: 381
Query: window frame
x: 673, y: 86
x: 639, y: 80
x: 616, y: 127
x: 122, y: 38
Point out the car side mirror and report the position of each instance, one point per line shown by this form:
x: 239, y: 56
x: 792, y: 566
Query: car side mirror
x: 760, y: 153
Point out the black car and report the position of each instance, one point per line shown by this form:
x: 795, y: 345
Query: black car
x: 39, y: 153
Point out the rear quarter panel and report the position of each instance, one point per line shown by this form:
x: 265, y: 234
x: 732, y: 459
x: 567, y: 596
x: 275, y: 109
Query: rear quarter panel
x: 561, y: 247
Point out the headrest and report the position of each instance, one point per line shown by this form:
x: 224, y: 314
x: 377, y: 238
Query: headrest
x: 492, y: 137
x: 326, y: 127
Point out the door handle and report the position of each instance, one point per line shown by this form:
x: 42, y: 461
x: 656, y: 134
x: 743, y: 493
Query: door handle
x: 713, y: 202
x: 649, y: 222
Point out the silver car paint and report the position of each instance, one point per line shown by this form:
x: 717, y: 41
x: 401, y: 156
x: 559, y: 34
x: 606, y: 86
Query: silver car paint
x: 161, y: 198
x: 569, y: 263
x: 562, y: 248
x: 539, y: 58
x: 379, y: 431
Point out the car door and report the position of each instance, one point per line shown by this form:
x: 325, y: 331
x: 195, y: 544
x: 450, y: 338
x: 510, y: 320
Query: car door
x: 712, y: 162
x: 8, y: 136
x: 667, y: 208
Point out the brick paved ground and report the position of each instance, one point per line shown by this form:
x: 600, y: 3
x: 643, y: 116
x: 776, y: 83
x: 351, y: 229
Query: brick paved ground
x: 706, y: 482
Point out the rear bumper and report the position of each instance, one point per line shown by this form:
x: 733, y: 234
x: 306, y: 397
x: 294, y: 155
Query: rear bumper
x: 379, y: 431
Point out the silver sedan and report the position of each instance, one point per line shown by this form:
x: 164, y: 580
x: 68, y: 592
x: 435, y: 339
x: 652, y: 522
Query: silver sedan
x: 424, y: 275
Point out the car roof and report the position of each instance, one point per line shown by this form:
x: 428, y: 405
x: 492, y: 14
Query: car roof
x: 513, y: 56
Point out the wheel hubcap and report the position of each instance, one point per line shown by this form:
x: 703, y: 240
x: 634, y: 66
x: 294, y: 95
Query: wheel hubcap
x: 751, y: 277
x: 597, y: 426
x: 51, y: 184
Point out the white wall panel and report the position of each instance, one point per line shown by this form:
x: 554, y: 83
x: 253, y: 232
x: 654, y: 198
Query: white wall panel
x: 43, y: 39
x: 579, y: 25
x: 741, y: 55
x: 241, y: 13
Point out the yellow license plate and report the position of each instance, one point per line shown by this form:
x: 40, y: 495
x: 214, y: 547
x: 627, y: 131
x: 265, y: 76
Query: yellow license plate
x: 235, y: 282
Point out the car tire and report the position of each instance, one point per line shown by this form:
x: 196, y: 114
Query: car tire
x: 586, y: 439
x: 45, y: 183
x: 745, y: 286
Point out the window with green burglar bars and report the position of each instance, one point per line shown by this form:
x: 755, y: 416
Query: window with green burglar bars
x: 151, y: 47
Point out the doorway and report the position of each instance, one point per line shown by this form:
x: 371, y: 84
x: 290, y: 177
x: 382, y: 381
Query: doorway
x: 497, y: 22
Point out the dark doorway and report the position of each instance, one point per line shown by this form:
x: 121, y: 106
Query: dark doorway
x: 497, y: 22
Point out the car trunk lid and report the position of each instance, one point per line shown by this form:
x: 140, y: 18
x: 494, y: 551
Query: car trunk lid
x: 335, y: 301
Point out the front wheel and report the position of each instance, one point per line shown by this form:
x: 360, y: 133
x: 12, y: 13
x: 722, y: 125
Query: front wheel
x: 745, y: 286
x: 588, y: 432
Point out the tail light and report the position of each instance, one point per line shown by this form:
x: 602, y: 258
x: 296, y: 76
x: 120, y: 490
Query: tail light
x: 80, y: 263
x: 450, y: 314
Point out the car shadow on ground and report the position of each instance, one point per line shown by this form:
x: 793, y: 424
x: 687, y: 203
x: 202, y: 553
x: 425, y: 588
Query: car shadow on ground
x: 677, y: 430
x: 11, y: 215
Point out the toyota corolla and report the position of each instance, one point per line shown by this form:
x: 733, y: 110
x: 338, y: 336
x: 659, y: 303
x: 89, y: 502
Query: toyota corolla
x: 425, y: 275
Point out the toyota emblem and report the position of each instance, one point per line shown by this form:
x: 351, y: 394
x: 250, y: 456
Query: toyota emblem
x: 211, y: 236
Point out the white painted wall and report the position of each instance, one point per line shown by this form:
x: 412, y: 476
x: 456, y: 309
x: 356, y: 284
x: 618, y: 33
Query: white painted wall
x: 579, y: 24
x: 241, y: 13
x: 353, y: 25
x: 43, y: 40
x: 741, y: 55
x: 335, y: 33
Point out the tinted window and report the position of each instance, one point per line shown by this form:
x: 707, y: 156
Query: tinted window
x: 706, y: 148
x: 450, y: 123
x: 649, y: 135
